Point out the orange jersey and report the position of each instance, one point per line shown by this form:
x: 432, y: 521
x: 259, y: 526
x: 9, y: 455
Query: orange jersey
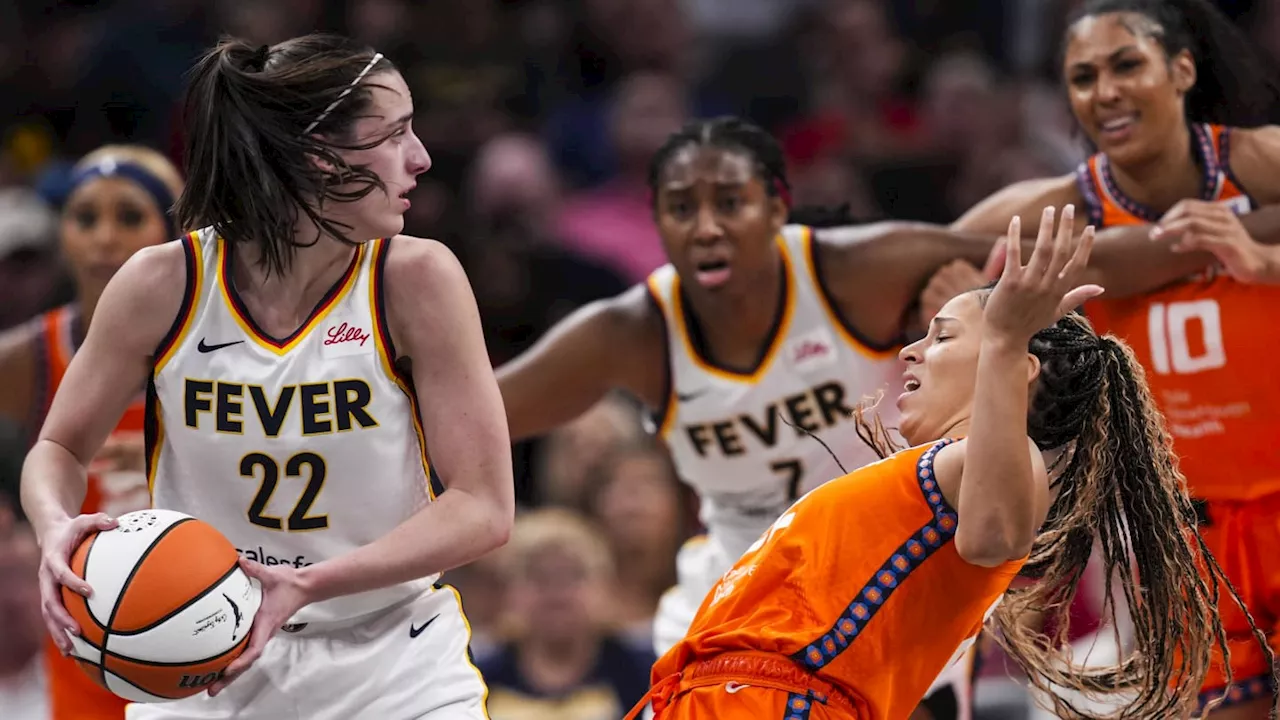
x: 1203, y: 343
x: 859, y: 585
x: 72, y: 694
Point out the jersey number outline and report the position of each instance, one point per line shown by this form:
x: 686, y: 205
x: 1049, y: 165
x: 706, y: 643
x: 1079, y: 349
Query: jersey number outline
x: 299, y: 520
x: 1170, y: 346
x: 793, y: 471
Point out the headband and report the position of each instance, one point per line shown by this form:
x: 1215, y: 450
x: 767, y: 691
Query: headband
x: 345, y: 93
x: 142, y: 177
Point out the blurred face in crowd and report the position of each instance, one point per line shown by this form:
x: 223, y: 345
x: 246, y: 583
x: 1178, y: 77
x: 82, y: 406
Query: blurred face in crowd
x: 717, y: 220
x: 1126, y: 93
x: 639, y: 507
x: 559, y: 593
x: 104, y: 222
x: 649, y: 108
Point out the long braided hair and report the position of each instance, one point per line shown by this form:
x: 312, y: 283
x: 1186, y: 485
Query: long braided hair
x: 1118, y: 483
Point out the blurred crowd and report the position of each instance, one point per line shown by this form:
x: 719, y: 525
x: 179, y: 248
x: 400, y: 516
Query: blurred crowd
x: 540, y: 117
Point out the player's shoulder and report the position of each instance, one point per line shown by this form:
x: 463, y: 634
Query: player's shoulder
x: 1254, y: 159
x: 147, y: 292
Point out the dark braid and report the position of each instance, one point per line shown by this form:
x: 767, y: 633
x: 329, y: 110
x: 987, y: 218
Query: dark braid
x: 738, y: 134
x: 1117, y: 482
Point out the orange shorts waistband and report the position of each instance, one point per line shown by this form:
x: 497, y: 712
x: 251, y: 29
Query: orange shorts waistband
x: 762, y: 670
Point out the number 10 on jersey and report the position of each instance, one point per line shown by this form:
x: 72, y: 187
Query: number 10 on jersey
x: 1170, y: 325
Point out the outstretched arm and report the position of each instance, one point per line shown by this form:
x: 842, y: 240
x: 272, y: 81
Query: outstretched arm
x: 616, y: 343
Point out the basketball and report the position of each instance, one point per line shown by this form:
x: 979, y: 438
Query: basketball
x: 170, y: 607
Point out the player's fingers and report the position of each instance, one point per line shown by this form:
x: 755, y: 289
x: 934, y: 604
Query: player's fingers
x: 1013, y: 248
x: 1078, y: 297
x: 63, y: 575
x: 55, y: 612
x: 1064, y: 243
x: 1080, y: 256
x: 1044, y: 244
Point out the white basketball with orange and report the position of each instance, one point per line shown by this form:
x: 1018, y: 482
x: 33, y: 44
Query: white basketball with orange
x: 170, y: 607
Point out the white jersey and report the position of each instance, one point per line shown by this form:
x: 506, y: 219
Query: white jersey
x: 733, y: 435
x: 296, y: 449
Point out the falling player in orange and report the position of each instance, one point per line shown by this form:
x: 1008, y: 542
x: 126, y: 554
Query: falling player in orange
x: 1021, y: 417
x: 117, y: 202
x: 1176, y: 102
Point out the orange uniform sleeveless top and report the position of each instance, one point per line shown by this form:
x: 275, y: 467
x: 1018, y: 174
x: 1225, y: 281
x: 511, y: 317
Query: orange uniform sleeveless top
x: 1202, y: 342
x: 859, y: 584
x: 72, y: 695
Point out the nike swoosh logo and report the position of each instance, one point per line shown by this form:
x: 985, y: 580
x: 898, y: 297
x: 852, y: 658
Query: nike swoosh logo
x: 416, y: 631
x: 202, y: 347
x: 733, y: 687
x: 690, y: 397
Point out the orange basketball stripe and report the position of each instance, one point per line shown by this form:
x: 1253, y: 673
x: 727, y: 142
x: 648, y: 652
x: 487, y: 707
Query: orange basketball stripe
x: 172, y: 680
x: 184, y: 562
x: 93, y: 670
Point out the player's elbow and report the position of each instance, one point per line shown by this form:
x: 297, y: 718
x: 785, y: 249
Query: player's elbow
x: 991, y: 544
x: 498, y: 519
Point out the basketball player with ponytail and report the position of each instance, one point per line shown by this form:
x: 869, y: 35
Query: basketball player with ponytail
x: 1031, y: 436
x: 293, y: 386
x: 1182, y: 110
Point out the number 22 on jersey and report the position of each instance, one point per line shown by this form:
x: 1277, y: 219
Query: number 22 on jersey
x: 1175, y: 350
x: 300, y: 518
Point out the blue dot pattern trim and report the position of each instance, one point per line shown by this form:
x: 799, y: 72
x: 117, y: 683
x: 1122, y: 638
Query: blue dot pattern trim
x: 799, y: 705
x: 875, y: 592
x: 1240, y: 691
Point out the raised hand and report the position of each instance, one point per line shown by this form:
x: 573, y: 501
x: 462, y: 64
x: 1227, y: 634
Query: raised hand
x: 1028, y: 299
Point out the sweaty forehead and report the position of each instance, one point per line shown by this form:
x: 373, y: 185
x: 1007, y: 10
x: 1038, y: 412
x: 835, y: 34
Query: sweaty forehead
x: 708, y: 164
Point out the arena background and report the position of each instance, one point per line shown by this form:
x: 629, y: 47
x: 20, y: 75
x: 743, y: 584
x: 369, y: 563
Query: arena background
x: 540, y: 116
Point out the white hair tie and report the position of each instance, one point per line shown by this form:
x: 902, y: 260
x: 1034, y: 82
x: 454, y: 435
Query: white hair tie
x: 345, y: 93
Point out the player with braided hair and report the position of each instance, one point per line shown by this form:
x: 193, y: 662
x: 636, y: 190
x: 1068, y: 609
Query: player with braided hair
x: 769, y: 324
x: 1181, y: 111
x: 1020, y: 417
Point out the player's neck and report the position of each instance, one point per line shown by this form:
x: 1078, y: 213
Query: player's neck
x: 1172, y: 175
x: 736, y: 324
x: 313, y: 268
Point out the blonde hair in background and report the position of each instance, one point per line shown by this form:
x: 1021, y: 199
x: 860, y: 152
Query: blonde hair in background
x: 540, y: 532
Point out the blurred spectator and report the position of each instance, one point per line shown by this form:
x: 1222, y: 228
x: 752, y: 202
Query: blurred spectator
x: 618, y: 38
x: 563, y: 661
x: 860, y: 71
x: 30, y: 274
x: 614, y: 222
x: 570, y: 452
x: 524, y: 278
x: 22, y: 686
x: 636, y: 499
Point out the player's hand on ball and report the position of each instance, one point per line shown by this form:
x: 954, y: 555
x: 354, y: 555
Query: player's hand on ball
x: 282, y: 596
x: 59, y: 542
